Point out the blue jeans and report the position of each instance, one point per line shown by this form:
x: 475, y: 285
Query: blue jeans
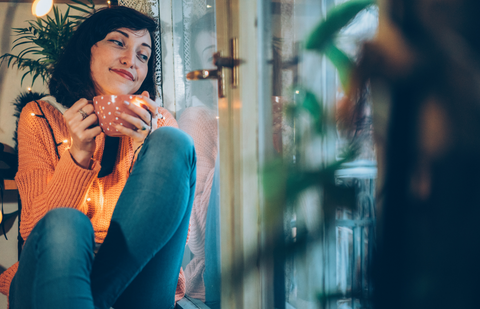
x: 138, y: 264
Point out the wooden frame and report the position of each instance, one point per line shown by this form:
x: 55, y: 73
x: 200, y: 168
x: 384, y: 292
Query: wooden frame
x: 239, y: 169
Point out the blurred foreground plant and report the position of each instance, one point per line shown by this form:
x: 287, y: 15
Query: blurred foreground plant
x: 285, y: 181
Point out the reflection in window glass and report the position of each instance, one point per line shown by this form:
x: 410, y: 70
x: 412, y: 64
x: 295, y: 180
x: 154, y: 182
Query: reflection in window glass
x: 197, y: 115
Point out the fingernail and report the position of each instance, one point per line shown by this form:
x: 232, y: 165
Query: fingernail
x: 126, y: 102
x: 117, y: 113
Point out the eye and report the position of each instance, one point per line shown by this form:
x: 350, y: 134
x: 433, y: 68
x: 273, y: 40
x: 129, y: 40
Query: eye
x: 142, y: 57
x: 116, y: 42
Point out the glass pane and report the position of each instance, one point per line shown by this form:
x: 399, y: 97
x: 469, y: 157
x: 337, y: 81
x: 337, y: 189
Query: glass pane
x: 331, y: 270
x: 196, y: 110
x: 344, y: 255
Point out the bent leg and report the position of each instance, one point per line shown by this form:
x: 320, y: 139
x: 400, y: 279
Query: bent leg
x: 55, y: 265
x: 149, y: 226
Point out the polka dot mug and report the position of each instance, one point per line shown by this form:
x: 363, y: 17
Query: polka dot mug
x: 106, y: 106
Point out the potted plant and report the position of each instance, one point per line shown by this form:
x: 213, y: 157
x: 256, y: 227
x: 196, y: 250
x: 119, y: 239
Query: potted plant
x: 43, y: 41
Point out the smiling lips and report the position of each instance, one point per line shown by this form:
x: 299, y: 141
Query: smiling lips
x: 124, y: 74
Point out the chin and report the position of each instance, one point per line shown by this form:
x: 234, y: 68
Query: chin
x: 118, y: 91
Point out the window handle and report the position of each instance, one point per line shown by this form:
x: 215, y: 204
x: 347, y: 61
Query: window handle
x: 218, y: 74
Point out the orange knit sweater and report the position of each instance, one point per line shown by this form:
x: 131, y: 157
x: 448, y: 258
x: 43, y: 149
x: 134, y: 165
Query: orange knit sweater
x: 46, y: 182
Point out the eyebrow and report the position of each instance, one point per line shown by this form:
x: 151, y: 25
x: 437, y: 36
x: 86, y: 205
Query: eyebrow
x: 208, y: 48
x: 127, y: 36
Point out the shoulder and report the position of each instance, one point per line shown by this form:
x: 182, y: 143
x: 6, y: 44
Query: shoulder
x: 38, y: 115
x: 40, y: 108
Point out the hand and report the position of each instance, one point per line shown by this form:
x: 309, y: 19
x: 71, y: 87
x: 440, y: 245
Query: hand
x: 82, y: 130
x: 145, y: 123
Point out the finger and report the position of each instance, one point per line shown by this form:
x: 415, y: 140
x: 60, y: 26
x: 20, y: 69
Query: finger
x: 150, y: 104
x: 135, y: 121
x: 139, y: 135
x: 88, y: 108
x: 83, y: 134
x: 78, y: 105
x: 141, y: 112
x: 88, y: 122
x: 93, y: 132
x: 84, y: 112
x: 73, y: 111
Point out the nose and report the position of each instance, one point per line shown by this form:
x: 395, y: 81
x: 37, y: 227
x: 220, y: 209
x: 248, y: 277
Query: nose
x: 128, y: 58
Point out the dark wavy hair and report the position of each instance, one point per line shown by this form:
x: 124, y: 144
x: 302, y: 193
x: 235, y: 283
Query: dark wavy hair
x: 71, y: 78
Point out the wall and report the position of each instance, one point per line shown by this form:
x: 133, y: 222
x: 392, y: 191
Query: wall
x: 11, y: 16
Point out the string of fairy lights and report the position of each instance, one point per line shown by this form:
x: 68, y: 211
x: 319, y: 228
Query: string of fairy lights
x: 50, y: 128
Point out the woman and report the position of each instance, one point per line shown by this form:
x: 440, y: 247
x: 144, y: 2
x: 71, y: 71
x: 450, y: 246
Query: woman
x: 81, y: 194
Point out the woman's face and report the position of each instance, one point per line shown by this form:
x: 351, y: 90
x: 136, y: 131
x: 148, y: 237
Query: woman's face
x: 205, y: 48
x: 119, y: 62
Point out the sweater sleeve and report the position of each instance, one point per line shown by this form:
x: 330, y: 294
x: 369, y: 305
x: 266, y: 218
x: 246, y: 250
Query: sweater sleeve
x: 167, y: 120
x: 44, y: 181
x: 6, y: 278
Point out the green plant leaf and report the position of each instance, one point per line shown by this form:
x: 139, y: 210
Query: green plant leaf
x: 315, y: 109
x: 64, y: 20
x: 23, y: 77
x: 48, y: 37
x: 35, y: 77
x: 79, y: 9
x: 342, y: 63
x: 21, y: 43
x: 12, y: 57
x: 337, y: 18
x: 27, y: 51
x: 84, y: 4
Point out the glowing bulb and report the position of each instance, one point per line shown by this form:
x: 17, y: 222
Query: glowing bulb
x: 29, y: 89
x: 297, y: 92
x: 41, y: 7
x: 33, y: 114
x: 88, y: 199
x: 217, y: 117
x: 137, y: 101
x: 108, y: 2
x: 209, y: 6
x: 65, y: 141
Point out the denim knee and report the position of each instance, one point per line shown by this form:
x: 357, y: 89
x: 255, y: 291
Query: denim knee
x: 66, y: 230
x: 171, y: 142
